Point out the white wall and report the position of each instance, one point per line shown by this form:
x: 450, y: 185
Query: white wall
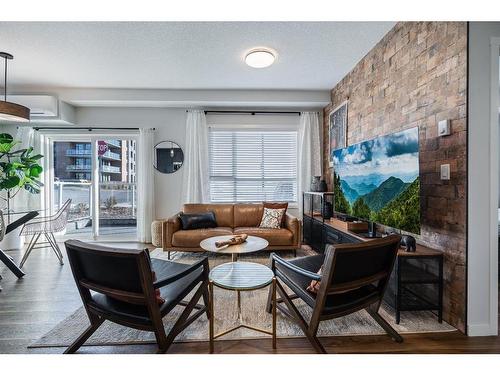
x: 169, y: 123
x: 482, y: 307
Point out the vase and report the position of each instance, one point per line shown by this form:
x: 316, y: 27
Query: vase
x: 13, y: 240
x: 322, y: 186
x: 327, y: 210
x: 315, y: 183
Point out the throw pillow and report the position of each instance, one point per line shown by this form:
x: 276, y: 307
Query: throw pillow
x: 271, y: 218
x: 198, y: 221
x: 278, y: 205
x: 314, y: 285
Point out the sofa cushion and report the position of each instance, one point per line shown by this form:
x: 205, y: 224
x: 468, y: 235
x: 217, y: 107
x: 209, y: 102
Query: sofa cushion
x: 272, y: 218
x: 275, y: 237
x: 192, y: 238
x: 223, y: 212
x: 275, y: 205
x: 247, y: 214
x: 198, y: 221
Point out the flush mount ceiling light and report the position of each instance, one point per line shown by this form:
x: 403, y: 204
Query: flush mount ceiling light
x: 260, y: 57
x: 11, y: 111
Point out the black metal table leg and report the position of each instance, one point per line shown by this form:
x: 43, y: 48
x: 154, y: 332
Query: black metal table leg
x: 398, y: 290
x: 440, y: 302
x: 7, y: 260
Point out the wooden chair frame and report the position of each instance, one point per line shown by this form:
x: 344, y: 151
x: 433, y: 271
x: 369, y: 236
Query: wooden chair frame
x: 372, y: 305
x: 97, y: 315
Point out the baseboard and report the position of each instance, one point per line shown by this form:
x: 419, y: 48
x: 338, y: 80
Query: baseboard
x: 481, y: 330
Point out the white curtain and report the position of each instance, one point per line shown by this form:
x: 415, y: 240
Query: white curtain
x: 195, y: 183
x: 309, y: 151
x: 145, y: 185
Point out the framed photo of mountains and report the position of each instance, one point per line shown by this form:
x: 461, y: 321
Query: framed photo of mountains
x: 378, y: 180
x: 337, y: 129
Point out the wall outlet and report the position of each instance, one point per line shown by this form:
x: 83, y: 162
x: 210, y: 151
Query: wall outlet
x: 445, y: 172
x: 444, y: 128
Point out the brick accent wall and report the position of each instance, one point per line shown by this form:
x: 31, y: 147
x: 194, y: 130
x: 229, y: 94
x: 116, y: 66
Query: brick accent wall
x: 416, y: 76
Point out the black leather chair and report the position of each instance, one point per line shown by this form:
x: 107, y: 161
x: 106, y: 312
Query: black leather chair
x: 353, y: 277
x: 119, y: 285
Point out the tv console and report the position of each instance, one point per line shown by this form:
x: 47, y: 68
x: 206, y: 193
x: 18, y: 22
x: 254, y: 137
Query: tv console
x: 416, y: 282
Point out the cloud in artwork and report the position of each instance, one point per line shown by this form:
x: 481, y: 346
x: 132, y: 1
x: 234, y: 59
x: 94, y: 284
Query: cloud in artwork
x: 394, y: 154
x: 358, y: 154
x: 401, y: 143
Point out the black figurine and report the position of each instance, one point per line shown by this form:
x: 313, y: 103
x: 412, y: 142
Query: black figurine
x: 409, y: 243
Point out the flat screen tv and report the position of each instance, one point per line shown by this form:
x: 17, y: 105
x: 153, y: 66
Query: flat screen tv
x: 378, y: 180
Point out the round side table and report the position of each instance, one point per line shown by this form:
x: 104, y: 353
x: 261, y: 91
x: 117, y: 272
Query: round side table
x: 241, y: 276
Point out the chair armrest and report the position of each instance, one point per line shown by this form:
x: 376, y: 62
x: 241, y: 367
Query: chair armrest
x: 170, y: 226
x: 203, y: 263
x: 293, y: 225
x: 292, y: 267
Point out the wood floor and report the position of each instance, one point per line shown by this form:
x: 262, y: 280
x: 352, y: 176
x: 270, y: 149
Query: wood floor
x: 31, y: 306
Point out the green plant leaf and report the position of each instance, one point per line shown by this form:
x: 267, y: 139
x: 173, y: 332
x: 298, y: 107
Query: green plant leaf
x: 11, y: 182
x: 6, y: 138
x: 32, y: 189
x: 35, y: 170
x: 36, y: 157
x: 18, y: 168
x: 5, y: 147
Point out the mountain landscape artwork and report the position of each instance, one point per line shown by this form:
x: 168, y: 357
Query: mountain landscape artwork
x: 378, y: 180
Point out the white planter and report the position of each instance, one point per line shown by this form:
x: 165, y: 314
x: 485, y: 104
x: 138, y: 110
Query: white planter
x: 12, y: 241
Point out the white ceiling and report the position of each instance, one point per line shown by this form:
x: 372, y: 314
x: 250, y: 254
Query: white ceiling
x: 184, y: 55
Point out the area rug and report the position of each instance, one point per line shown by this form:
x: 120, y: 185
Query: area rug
x: 253, y: 307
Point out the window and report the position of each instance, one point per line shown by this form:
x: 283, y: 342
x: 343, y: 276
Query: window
x: 252, y: 165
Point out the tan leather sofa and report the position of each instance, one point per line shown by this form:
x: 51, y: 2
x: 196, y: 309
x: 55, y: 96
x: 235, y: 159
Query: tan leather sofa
x: 231, y: 219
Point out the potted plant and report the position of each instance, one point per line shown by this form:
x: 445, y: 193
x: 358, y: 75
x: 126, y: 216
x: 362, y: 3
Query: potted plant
x: 19, y: 170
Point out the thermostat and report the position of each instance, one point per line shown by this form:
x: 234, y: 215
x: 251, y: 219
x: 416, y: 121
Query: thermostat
x: 445, y: 171
x: 444, y: 128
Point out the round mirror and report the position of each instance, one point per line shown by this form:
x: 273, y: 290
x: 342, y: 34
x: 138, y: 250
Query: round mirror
x: 168, y: 157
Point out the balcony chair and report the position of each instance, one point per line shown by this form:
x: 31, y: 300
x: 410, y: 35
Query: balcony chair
x: 5, y: 229
x: 353, y: 277
x: 124, y: 290
x: 46, y: 226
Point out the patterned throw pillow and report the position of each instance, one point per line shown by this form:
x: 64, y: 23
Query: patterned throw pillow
x: 271, y: 218
x: 278, y: 205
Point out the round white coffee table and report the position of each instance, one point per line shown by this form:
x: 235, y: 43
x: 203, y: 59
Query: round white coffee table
x: 241, y: 276
x: 252, y: 244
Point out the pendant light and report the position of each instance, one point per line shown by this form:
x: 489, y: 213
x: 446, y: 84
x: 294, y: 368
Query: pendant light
x: 11, y: 111
x: 172, y: 153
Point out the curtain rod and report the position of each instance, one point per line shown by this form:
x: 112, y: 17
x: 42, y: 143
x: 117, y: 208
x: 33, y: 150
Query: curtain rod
x: 81, y: 128
x: 253, y: 113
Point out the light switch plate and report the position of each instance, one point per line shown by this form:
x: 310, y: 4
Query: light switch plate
x: 445, y: 172
x: 444, y: 128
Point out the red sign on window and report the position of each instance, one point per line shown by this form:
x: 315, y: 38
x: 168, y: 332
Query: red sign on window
x: 102, y: 147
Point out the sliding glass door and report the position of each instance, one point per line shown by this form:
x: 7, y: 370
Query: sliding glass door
x: 98, y: 174
x: 72, y: 179
x: 117, y: 209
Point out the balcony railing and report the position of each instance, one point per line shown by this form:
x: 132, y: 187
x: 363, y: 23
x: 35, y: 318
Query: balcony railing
x: 112, y: 155
x: 78, y: 167
x: 110, y: 169
x: 114, y: 143
x: 77, y: 152
x: 117, y: 208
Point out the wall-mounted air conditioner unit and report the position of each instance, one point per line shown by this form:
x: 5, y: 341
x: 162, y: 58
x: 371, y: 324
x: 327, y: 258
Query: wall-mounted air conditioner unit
x: 41, y: 106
